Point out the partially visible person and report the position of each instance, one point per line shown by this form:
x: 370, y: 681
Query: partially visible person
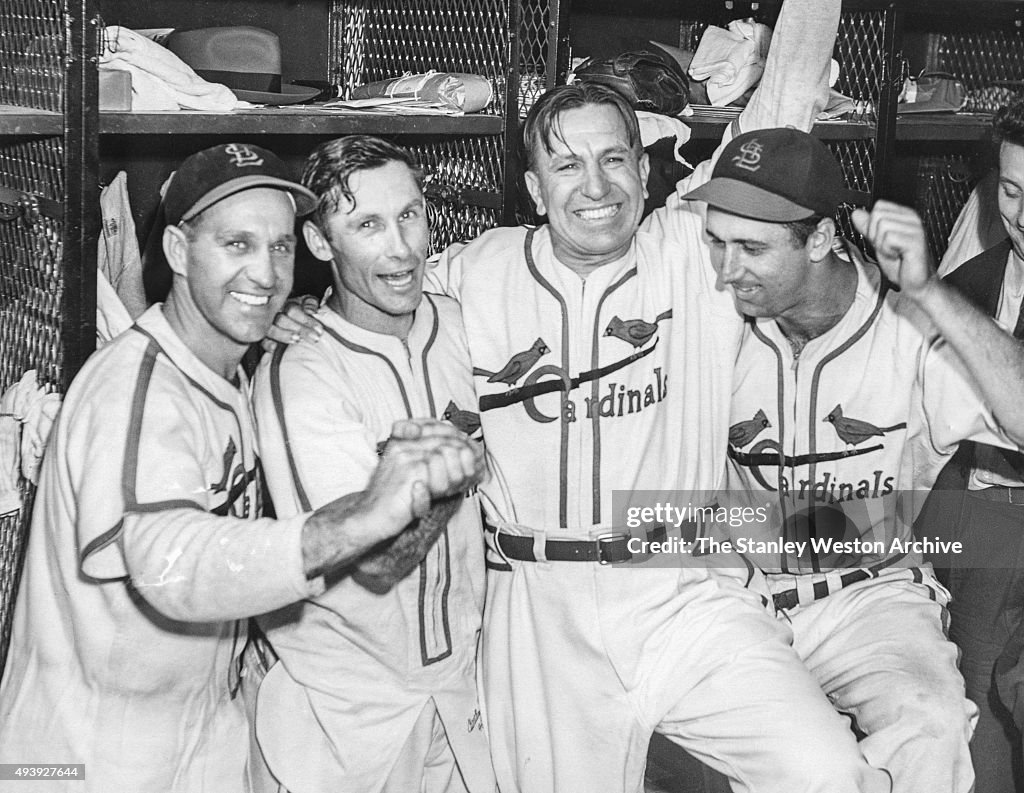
x: 148, y: 548
x: 849, y: 396
x: 983, y: 499
x: 376, y: 686
x: 602, y: 361
x: 978, y: 227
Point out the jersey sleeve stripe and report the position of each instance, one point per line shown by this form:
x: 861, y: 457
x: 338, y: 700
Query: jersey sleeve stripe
x: 99, y: 543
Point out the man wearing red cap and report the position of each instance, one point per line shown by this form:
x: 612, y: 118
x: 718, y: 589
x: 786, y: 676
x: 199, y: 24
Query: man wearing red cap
x: 148, y: 544
x: 854, y: 383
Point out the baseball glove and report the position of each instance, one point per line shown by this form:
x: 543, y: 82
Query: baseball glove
x: 648, y: 80
x: 384, y: 567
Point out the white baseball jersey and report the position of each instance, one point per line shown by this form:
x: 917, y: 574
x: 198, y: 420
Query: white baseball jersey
x: 854, y: 428
x: 619, y: 381
x: 145, y: 548
x: 624, y: 377
x: 357, y: 668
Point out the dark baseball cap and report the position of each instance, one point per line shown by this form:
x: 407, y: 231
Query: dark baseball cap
x: 776, y: 175
x: 213, y: 174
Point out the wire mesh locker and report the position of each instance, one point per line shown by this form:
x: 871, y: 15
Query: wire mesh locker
x: 31, y: 242
x: 467, y: 176
x: 986, y: 52
x: 46, y: 184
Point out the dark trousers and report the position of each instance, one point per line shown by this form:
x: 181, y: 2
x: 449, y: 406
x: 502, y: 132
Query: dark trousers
x: 987, y: 623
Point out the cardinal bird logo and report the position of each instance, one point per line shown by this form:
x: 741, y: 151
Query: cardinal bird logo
x: 519, y: 364
x: 743, y: 432
x: 854, y: 431
x: 635, y: 331
x: 465, y: 420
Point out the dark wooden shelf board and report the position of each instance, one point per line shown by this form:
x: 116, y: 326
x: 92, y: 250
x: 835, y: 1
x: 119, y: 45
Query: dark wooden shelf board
x: 26, y: 121
x: 943, y: 126
x: 704, y: 128
x: 294, y: 121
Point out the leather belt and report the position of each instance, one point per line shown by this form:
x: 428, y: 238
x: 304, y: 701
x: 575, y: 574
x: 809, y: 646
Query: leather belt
x: 791, y: 597
x: 1001, y: 495
x: 609, y: 548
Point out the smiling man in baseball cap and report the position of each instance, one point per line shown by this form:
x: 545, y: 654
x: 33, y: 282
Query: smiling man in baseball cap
x: 215, y: 173
x: 149, y: 546
x: 857, y: 401
x: 221, y: 282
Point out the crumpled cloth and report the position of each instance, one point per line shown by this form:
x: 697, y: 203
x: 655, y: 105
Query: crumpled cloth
x: 160, y: 79
x: 118, y: 256
x: 112, y: 318
x: 10, y: 460
x: 655, y: 126
x: 731, y: 60
x: 35, y: 410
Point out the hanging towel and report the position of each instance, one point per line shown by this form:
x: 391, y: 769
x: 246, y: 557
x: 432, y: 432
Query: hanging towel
x: 112, y: 318
x: 118, y: 256
x: 10, y: 496
x: 28, y: 404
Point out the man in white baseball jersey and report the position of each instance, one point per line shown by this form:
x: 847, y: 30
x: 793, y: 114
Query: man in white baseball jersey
x: 849, y: 396
x: 603, y: 361
x: 376, y: 686
x: 147, y: 545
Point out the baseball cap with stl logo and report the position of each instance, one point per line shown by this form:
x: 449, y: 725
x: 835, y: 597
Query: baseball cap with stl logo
x: 776, y: 175
x: 213, y: 174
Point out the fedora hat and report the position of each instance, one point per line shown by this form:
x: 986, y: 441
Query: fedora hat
x: 245, y: 59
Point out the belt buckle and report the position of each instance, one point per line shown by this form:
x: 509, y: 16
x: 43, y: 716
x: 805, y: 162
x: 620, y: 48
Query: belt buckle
x: 612, y: 536
x: 1015, y: 495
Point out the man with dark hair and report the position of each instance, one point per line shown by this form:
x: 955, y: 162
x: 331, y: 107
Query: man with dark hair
x: 603, y: 361
x: 376, y: 684
x: 148, y: 548
x: 986, y: 509
x: 849, y: 395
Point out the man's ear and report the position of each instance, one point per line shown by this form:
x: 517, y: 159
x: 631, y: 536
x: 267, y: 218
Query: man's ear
x: 175, y: 245
x: 316, y: 241
x: 819, y: 243
x: 533, y: 186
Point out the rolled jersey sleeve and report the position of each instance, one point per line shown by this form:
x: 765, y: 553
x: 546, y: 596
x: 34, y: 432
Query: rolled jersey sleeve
x: 197, y: 567
x: 953, y: 407
x: 794, y: 87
